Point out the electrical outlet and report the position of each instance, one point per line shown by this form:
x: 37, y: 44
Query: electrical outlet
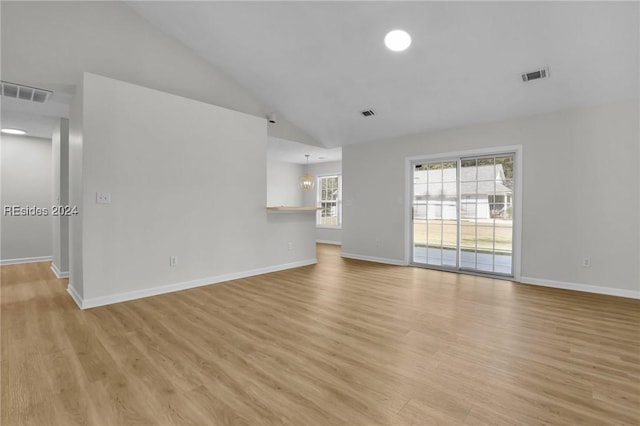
x: 103, y: 197
x: 586, y: 262
x: 289, y: 246
x: 173, y: 261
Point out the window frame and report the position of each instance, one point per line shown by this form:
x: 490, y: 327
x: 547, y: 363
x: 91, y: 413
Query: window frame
x: 319, y: 200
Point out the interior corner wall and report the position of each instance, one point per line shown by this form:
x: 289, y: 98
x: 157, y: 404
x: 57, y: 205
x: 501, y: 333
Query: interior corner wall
x: 26, y: 183
x: 580, y: 193
x: 186, y: 179
x: 76, y: 192
x: 282, y: 184
x: 325, y: 235
x: 60, y: 191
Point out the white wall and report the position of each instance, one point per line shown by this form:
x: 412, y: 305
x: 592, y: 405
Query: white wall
x: 186, y: 179
x: 26, y: 181
x: 65, y: 38
x: 282, y: 184
x: 580, y: 195
x: 75, y: 191
x: 326, y: 235
x: 60, y: 191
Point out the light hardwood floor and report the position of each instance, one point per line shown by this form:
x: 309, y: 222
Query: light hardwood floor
x: 343, y: 342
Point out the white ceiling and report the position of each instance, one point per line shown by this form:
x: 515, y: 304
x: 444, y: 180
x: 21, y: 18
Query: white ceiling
x: 38, y: 120
x: 294, y: 152
x: 319, y: 63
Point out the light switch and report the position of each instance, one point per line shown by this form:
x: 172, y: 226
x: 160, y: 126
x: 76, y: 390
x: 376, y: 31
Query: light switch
x: 103, y: 197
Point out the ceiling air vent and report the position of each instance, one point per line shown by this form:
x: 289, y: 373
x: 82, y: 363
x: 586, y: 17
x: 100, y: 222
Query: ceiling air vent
x: 368, y: 113
x: 26, y: 93
x: 535, y: 75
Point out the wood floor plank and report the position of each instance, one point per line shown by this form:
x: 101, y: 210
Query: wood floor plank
x: 343, y: 342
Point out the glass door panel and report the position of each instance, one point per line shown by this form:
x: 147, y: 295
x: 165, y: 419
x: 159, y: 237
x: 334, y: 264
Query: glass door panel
x: 468, y: 243
x: 463, y: 214
x: 419, y: 215
x: 486, y: 214
x: 435, y: 211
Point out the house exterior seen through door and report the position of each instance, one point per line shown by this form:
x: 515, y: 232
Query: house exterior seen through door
x: 462, y: 213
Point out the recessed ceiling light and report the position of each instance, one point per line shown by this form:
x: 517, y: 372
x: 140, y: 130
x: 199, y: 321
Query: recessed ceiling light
x: 397, y: 40
x: 14, y: 132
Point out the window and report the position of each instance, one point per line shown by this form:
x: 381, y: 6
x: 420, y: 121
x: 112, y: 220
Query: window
x: 329, y: 201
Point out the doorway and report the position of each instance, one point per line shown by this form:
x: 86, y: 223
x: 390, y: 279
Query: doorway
x: 463, y: 212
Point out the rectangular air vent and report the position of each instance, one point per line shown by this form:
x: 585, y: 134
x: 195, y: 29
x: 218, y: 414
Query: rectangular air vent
x: 535, y: 75
x: 368, y: 113
x: 26, y: 93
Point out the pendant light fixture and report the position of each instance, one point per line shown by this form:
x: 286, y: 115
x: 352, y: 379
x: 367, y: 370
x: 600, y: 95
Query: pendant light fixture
x: 306, y: 181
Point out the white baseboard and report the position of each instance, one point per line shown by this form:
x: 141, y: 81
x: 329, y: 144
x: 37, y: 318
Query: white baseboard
x: 633, y: 294
x: 25, y: 260
x: 75, y: 296
x: 170, y: 288
x: 374, y: 259
x: 335, y: 243
x: 58, y: 273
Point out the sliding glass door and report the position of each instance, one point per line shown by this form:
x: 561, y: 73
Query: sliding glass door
x: 435, y: 213
x: 462, y: 213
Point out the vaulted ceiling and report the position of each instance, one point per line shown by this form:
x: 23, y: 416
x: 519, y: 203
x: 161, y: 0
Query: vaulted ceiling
x: 321, y: 63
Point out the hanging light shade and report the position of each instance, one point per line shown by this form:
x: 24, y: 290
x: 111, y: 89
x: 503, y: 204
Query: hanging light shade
x: 307, y: 181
